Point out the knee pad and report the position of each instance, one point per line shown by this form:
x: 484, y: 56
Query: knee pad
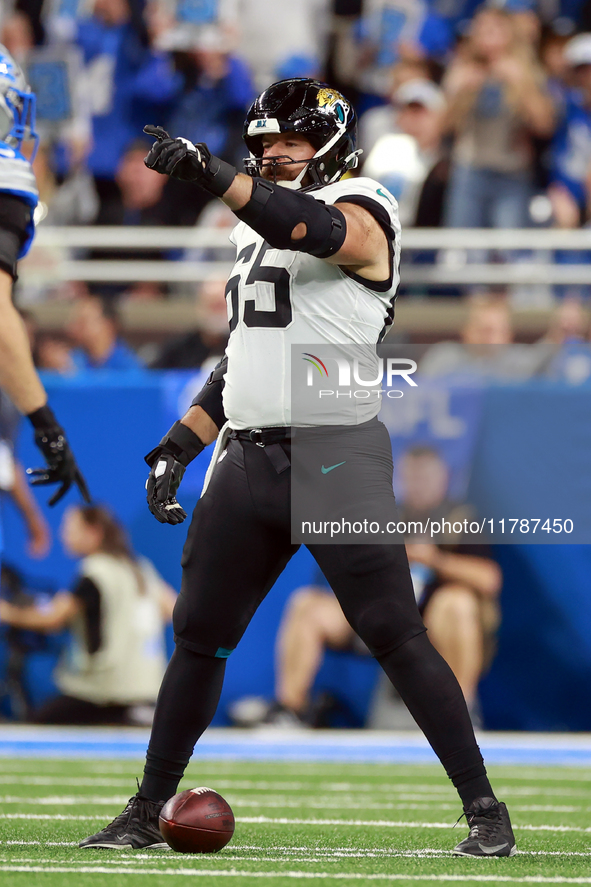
x: 188, y: 632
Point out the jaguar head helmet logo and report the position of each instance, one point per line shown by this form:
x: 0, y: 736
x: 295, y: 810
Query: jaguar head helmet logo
x: 333, y: 101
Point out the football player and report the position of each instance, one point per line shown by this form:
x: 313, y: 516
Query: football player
x: 18, y: 199
x: 330, y: 247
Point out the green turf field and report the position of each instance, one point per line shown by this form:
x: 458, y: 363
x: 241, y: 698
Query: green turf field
x: 324, y: 823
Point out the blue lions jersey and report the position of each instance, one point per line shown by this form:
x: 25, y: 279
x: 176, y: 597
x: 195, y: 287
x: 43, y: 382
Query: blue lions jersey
x: 17, y: 177
x: 571, y: 148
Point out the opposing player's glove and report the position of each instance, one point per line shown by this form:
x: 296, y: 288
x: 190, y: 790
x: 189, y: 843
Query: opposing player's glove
x: 183, y: 160
x: 168, y: 462
x: 61, y: 465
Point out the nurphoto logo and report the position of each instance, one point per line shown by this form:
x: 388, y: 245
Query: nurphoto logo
x: 345, y: 372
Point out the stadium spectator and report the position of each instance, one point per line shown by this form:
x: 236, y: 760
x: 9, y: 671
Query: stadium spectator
x: 382, y: 120
x: 205, y: 343
x: 72, y: 201
x: 571, y: 146
x: 393, y: 29
x: 17, y: 36
x: 217, y: 216
x: 558, y: 71
x: 282, y: 37
x: 94, y: 328
x: 570, y: 174
x: 405, y: 160
x: 567, y: 332
x: 568, y: 324
x: 13, y: 481
x: 215, y: 90
x: 498, y: 102
x: 211, y: 88
x: 53, y: 352
x: 139, y: 200
x: 486, y: 350
x: 127, y: 83
x: 116, y: 613
x: 456, y: 585
x: 570, y: 179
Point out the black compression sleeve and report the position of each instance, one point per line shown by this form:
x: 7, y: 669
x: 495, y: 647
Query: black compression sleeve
x: 14, y: 219
x: 187, y: 702
x: 274, y: 211
x: 433, y: 696
x: 210, y: 396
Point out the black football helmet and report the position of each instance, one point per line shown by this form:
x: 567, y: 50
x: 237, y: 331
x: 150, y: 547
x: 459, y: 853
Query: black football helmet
x: 313, y: 109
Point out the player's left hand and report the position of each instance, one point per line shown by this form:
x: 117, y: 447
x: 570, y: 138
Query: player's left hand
x: 178, y: 158
x: 163, y: 482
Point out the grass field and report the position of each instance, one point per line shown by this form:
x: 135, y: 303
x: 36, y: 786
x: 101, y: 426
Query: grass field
x: 339, y: 823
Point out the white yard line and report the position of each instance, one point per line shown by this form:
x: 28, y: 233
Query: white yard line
x: 234, y: 853
x: 60, y: 817
x: 39, y: 843
x: 113, y: 767
x: 411, y: 788
x: 553, y: 774
x: 67, y: 800
x: 400, y: 791
x: 79, y: 781
x: 267, y: 820
x: 281, y: 875
x: 385, y: 823
x: 354, y: 802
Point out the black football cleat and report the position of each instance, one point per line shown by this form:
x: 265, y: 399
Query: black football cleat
x: 134, y: 829
x: 490, y: 830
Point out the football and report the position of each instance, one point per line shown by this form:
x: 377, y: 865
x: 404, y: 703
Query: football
x: 197, y: 821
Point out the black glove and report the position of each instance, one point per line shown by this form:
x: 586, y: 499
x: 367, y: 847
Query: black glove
x: 162, y: 484
x: 168, y: 462
x: 183, y: 160
x: 61, y: 464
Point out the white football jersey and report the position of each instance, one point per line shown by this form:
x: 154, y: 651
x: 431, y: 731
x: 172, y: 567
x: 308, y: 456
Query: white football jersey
x: 281, y: 298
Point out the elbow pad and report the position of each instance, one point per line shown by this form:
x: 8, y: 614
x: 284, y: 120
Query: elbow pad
x: 274, y: 211
x: 210, y: 396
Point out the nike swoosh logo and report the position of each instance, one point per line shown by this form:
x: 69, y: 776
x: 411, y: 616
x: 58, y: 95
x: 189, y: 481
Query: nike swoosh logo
x: 331, y: 467
x: 490, y: 850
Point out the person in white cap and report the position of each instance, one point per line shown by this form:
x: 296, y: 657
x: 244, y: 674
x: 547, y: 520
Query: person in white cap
x: 403, y: 159
x: 571, y: 146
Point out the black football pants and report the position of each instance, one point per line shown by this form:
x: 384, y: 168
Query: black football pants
x: 238, y: 543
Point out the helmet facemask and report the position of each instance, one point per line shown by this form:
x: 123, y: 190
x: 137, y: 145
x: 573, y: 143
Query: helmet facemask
x: 256, y: 165
x: 17, y: 106
x: 319, y: 171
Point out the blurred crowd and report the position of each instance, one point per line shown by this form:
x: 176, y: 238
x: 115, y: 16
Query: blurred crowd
x: 472, y: 114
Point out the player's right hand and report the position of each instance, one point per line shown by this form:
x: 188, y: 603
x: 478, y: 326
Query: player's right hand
x: 61, y: 465
x: 163, y: 482
x: 178, y: 158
